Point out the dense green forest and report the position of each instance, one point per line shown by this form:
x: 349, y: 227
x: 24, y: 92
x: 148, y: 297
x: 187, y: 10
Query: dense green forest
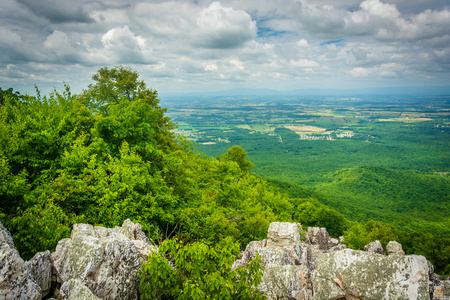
x: 412, y: 202
x: 111, y: 153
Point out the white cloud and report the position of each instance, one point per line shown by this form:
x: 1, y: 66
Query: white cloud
x: 223, y: 28
x: 210, y: 45
x: 303, y: 43
x: 122, y: 45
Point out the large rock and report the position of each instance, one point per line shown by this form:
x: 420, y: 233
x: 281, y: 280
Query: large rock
x: 394, y: 248
x: 105, y: 260
x: 40, y: 269
x: 319, y: 236
x: 363, y: 275
x: 74, y: 289
x: 16, y: 282
x: 282, y: 234
x: 442, y: 291
x: 375, y: 247
x: 5, y: 237
x: 319, y: 267
x: 284, y: 277
x: 286, y: 282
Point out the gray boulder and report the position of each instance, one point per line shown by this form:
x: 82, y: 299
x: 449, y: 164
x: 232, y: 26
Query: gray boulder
x: 16, y: 282
x: 375, y: 247
x: 319, y: 236
x: 442, y: 290
x: 105, y: 260
x: 285, y: 277
x: 282, y: 234
x: 5, y: 237
x: 354, y: 274
x: 74, y: 289
x: 40, y: 269
x: 286, y: 282
x: 394, y: 248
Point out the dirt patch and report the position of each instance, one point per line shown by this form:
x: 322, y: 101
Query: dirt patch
x: 305, y: 129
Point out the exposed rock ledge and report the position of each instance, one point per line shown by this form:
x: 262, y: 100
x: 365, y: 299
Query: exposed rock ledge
x: 94, y: 263
x: 319, y: 267
x: 101, y: 263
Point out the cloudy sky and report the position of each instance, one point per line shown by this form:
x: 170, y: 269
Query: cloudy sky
x: 197, y: 45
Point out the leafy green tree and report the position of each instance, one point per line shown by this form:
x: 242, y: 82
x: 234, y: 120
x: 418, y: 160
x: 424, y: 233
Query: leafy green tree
x: 381, y: 231
x: 40, y: 227
x: 113, y: 85
x: 356, y: 237
x: 238, y: 155
x: 131, y: 110
x: 10, y: 95
x: 199, y: 271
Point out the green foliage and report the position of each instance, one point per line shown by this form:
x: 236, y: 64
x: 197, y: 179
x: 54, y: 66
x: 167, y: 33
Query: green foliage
x: 96, y: 163
x: 358, y: 235
x: 199, y: 271
x: 238, y: 155
x: 40, y: 227
x: 409, y: 201
x: 10, y: 95
x: 111, y: 154
x: 113, y: 85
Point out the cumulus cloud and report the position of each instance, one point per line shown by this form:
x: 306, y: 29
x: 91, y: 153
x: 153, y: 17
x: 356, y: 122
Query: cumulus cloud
x: 385, y: 22
x: 206, y: 44
x: 122, y: 45
x: 223, y: 28
x: 117, y: 46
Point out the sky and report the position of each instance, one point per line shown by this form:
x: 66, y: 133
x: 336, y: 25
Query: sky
x: 196, y: 45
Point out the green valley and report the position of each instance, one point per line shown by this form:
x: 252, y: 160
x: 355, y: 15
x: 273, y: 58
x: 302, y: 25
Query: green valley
x: 382, y: 158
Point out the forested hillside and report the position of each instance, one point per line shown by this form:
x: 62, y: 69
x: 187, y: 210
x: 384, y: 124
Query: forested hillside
x: 412, y: 202
x: 110, y: 153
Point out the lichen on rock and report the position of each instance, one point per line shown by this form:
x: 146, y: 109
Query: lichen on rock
x: 105, y: 260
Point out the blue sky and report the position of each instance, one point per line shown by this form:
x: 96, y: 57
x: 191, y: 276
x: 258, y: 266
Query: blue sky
x: 192, y: 46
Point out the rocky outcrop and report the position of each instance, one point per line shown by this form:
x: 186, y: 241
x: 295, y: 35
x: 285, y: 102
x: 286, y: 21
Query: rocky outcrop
x: 320, y: 237
x: 283, y: 255
x: 74, y: 289
x: 94, y: 263
x: 15, y: 280
x: 394, y: 248
x: 102, y: 263
x: 40, y: 268
x: 5, y: 237
x: 442, y: 291
x: 375, y: 247
x: 105, y: 260
x: 363, y: 275
x: 312, y: 265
